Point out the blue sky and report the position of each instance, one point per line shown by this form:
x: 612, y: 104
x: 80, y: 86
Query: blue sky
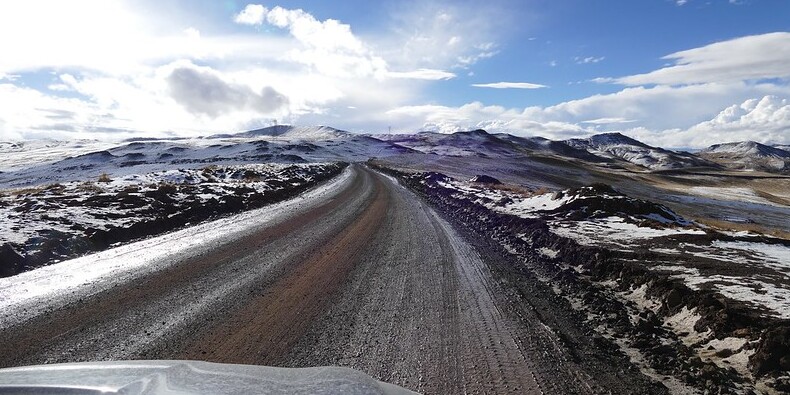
x: 671, y: 73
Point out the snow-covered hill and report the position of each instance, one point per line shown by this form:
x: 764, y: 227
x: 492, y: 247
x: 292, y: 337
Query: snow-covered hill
x: 469, y: 143
x: 747, y: 148
x: 545, y: 146
x: 148, y: 155
x: 20, y: 154
x: 748, y: 155
x: 618, y: 146
x: 291, y: 132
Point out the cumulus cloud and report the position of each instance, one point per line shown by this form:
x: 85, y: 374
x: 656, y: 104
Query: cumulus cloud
x: 755, y: 57
x: 765, y: 119
x: 329, y: 34
x: 252, y: 14
x: 675, y: 116
x: 478, y: 115
x: 329, y: 46
x: 510, y: 85
x: 202, y: 92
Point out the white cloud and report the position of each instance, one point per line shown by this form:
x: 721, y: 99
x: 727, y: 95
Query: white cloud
x: 330, y: 47
x: 664, y: 116
x: 192, y: 33
x: 140, y: 74
x: 510, y: 85
x: 588, y: 60
x: 483, y: 51
x: 756, y: 57
x: 443, y: 34
x: 422, y: 74
x: 608, y: 121
x: 477, y: 115
x: 681, y: 2
x: 766, y: 119
x: 330, y: 34
x: 252, y: 14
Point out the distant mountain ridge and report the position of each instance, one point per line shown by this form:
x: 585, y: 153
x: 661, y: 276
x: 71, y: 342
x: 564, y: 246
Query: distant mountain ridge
x: 618, y: 146
x: 744, y: 148
x: 748, y: 155
x: 290, y: 144
x: 297, y: 132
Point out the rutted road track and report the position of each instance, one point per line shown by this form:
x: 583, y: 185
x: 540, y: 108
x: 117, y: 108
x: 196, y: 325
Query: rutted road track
x: 364, y: 275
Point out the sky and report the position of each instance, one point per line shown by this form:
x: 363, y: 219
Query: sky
x: 673, y: 73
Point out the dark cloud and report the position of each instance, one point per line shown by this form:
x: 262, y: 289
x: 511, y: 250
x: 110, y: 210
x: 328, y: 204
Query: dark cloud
x: 202, y: 92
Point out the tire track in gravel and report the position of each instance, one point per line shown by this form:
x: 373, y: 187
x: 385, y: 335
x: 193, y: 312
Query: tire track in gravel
x: 268, y: 325
x: 418, y: 311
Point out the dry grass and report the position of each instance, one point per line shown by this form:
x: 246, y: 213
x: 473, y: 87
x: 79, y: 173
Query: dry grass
x: 26, y: 191
x: 516, y: 189
x: 89, y: 187
x: 739, y: 227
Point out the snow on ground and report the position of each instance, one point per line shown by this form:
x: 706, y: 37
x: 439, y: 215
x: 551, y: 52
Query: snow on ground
x: 774, y: 255
x: 29, y: 164
x: 548, y: 252
x: 775, y: 298
x: 746, y: 270
x: 762, y: 271
x: 614, y: 230
x: 731, y: 193
x: 20, y: 295
x: 683, y: 322
x: 18, y: 155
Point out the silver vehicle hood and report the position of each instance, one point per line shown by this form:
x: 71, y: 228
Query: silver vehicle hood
x: 187, y: 377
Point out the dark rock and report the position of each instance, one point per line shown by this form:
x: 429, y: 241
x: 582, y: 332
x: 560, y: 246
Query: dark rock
x: 724, y: 353
x: 673, y: 299
x: 484, y: 179
x: 11, y: 262
x: 435, y: 177
x: 773, y: 352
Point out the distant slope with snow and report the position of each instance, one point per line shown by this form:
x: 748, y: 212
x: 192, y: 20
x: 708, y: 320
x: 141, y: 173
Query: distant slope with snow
x: 468, y: 143
x: 546, y: 146
x: 20, y: 154
x: 618, y: 146
x: 291, y: 132
x: 748, y: 155
x: 156, y: 155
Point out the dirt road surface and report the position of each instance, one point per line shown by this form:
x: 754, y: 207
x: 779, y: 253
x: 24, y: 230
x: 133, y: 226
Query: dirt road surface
x: 364, y: 275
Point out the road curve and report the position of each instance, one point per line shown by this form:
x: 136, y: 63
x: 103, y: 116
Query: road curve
x: 364, y: 275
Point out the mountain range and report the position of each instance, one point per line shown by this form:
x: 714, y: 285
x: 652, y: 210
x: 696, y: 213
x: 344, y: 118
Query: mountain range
x: 613, y: 148
x: 292, y: 144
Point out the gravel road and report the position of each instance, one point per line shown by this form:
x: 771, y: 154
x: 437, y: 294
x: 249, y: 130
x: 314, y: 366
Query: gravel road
x: 363, y: 275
